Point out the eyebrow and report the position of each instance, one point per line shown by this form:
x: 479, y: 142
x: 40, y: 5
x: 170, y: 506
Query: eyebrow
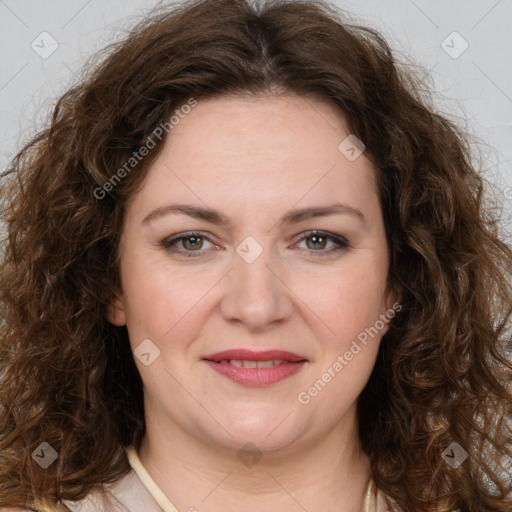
x: 292, y: 217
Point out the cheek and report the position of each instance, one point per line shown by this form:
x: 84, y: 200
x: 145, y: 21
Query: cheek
x: 354, y: 296
x: 163, y: 302
x: 350, y: 304
x: 152, y: 296
x: 351, y: 308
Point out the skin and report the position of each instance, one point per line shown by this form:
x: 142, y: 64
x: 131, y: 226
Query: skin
x: 254, y: 160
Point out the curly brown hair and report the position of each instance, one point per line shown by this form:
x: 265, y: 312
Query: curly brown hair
x: 68, y: 376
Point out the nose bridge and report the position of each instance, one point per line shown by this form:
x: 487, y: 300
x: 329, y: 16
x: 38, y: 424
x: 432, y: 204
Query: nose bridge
x: 255, y: 295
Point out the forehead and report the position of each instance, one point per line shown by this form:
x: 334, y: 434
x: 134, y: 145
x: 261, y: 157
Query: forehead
x: 262, y: 150
x: 280, y: 128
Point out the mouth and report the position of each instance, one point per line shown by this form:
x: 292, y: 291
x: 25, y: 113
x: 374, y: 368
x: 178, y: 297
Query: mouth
x: 255, y: 369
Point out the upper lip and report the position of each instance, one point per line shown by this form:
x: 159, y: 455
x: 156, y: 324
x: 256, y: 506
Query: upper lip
x: 250, y: 355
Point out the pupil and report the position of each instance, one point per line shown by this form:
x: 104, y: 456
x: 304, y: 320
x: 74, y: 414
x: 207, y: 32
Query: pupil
x: 193, y: 238
x: 316, y: 237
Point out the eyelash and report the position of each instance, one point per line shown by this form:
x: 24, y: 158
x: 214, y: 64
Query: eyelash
x: 169, y: 244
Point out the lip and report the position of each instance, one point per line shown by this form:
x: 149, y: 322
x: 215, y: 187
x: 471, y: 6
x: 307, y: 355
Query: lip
x: 251, y: 355
x: 256, y: 377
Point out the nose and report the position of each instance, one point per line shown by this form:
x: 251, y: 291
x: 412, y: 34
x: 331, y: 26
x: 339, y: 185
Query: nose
x: 256, y: 293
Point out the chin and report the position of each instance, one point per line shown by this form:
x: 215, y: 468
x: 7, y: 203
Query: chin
x: 264, y: 428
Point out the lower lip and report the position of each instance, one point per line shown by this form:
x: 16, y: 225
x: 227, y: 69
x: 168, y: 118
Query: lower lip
x: 257, y: 377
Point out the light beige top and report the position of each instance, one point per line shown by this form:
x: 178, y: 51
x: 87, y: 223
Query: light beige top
x: 138, y: 492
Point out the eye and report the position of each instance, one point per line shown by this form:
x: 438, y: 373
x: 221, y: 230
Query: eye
x: 319, y: 240
x: 192, y: 243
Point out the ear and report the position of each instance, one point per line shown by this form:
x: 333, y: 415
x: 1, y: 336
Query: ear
x: 393, y: 304
x: 393, y: 298
x: 116, y: 313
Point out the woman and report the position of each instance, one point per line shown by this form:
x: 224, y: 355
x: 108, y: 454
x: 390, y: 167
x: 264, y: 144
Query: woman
x: 248, y: 267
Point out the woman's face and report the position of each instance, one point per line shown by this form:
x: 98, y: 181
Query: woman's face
x: 257, y: 280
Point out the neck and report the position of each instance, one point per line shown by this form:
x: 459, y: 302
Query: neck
x: 326, y: 474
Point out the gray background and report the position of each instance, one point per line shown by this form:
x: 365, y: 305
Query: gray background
x: 474, y: 86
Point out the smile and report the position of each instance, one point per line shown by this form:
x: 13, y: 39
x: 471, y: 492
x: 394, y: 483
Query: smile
x: 256, y: 376
x: 255, y: 369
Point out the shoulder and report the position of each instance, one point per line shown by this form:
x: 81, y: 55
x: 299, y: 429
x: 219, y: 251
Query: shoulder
x: 383, y: 503
x: 17, y: 509
x: 127, y: 494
